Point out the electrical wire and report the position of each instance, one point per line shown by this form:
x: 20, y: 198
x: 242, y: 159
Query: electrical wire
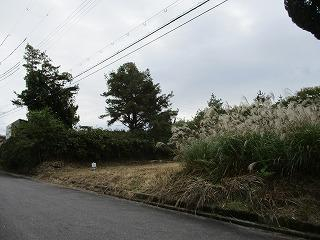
x: 150, y: 42
x: 63, y: 22
x: 76, y: 13
x: 74, y: 21
x: 60, y: 34
x: 13, y: 51
x: 10, y: 74
x: 9, y: 70
x: 172, y: 30
x: 28, y: 35
x: 164, y: 10
x: 4, y: 114
x: 3, y: 41
x: 26, y: 10
x: 143, y: 38
x: 38, y: 24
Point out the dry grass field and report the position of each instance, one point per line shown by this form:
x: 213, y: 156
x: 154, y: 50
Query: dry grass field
x: 118, y: 179
x: 168, y: 182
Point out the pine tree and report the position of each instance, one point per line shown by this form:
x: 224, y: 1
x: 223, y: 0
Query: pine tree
x: 134, y: 100
x: 46, y: 88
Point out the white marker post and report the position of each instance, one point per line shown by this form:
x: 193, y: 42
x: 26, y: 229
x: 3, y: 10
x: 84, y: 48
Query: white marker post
x: 93, y: 166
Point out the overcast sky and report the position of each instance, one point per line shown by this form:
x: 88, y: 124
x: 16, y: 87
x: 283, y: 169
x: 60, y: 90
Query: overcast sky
x: 234, y: 51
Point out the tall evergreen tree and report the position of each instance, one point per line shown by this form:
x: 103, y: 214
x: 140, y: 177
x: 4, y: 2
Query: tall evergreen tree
x: 306, y: 14
x: 46, y: 88
x: 134, y: 100
x: 216, y: 103
x: 262, y: 97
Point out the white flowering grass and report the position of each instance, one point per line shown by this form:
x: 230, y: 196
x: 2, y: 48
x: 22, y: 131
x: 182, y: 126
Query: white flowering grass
x: 278, y: 138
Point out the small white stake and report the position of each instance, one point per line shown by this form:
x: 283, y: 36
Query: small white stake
x: 93, y: 166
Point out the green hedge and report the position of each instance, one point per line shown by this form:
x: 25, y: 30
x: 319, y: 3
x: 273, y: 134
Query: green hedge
x: 101, y: 145
x: 43, y: 138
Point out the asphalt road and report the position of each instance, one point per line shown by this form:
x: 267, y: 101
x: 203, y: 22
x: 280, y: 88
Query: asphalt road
x: 33, y: 210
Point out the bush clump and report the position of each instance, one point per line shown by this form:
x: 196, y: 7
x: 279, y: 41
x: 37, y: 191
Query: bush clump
x: 41, y: 138
x: 101, y: 145
x: 44, y: 138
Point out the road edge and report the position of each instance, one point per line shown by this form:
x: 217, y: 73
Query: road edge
x: 143, y: 198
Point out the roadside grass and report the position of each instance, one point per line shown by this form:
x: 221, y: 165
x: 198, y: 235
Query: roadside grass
x: 269, y: 197
x: 230, y: 154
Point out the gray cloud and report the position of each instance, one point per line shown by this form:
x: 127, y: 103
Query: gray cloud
x: 233, y: 51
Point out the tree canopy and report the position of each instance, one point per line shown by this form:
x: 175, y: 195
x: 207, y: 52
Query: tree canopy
x: 306, y: 14
x: 262, y: 97
x: 46, y: 88
x: 216, y: 103
x: 134, y: 100
x: 305, y: 96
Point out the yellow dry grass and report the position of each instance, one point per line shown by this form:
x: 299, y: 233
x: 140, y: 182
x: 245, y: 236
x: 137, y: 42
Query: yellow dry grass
x: 168, y: 182
x: 112, y: 178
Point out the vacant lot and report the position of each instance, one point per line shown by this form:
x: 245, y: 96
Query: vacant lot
x: 168, y: 182
x: 117, y: 179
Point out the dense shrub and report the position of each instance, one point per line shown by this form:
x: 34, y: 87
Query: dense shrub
x: 19, y: 154
x: 43, y: 138
x: 101, y: 145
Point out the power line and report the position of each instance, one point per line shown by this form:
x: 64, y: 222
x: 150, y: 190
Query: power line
x: 74, y: 21
x: 3, y: 41
x: 144, y: 23
x: 13, y: 51
x: 148, y: 43
x: 4, y: 114
x: 172, y: 30
x: 28, y: 35
x: 9, y: 70
x: 68, y: 20
x: 38, y: 24
x: 62, y: 23
x: 59, y: 34
x: 9, y: 74
x: 146, y: 36
x: 25, y: 10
